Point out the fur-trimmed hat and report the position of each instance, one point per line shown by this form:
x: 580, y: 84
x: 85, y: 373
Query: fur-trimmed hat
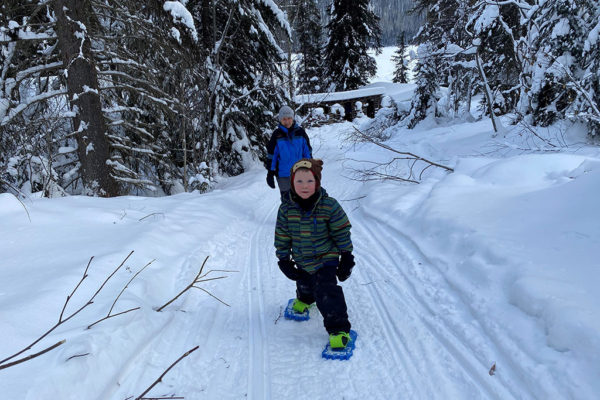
x: 313, y: 165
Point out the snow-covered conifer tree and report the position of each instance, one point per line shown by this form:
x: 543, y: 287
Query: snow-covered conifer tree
x: 308, y: 38
x: 565, y: 77
x: 245, y: 85
x: 500, y: 33
x: 353, y: 28
x: 427, y: 94
x: 399, y: 59
x: 90, y: 87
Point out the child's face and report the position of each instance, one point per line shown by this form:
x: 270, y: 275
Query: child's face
x: 287, y: 122
x: 304, y: 183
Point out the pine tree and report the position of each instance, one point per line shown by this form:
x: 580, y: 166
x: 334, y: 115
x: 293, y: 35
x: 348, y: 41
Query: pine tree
x: 431, y: 69
x: 179, y: 105
x: 427, y: 94
x: 567, y: 63
x: 308, y: 37
x: 88, y: 95
x: 245, y: 84
x: 401, y: 71
x: 499, y: 30
x: 353, y: 28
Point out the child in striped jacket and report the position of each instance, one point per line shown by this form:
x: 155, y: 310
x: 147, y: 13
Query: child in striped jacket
x: 313, y: 245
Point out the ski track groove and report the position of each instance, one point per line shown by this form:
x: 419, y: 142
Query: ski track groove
x: 471, y: 366
x: 157, y: 333
x: 409, y: 248
x: 259, y: 387
x: 389, y: 326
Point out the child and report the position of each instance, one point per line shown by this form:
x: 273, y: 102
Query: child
x: 288, y: 144
x: 312, y: 241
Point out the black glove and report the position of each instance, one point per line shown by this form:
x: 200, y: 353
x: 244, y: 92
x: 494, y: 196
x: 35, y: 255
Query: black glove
x: 271, y: 179
x: 345, y: 267
x: 289, y: 269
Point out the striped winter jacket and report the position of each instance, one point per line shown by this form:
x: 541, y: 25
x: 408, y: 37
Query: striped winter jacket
x: 313, y: 238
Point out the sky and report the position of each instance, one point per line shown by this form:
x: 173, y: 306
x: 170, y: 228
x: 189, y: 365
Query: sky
x: 475, y: 283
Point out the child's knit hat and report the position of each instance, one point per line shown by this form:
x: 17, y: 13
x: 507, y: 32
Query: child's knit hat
x: 314, y: 165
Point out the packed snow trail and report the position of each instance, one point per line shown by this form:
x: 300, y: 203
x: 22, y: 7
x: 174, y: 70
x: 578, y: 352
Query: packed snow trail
x: 421, y: 337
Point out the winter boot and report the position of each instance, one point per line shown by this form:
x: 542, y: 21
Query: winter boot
x: 299, y: 306
x: 339, y: 340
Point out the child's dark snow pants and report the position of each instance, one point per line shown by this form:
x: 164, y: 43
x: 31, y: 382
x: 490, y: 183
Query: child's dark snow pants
x: 322, y: 287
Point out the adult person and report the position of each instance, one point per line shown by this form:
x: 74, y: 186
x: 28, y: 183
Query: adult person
x: 288, y: 144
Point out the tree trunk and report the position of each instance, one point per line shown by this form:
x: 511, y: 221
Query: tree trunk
x: 73, y: 17
x: 486, y: 91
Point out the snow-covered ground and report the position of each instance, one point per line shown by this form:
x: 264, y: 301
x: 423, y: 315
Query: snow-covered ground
x: 495, y: 263
x: 386, y: 66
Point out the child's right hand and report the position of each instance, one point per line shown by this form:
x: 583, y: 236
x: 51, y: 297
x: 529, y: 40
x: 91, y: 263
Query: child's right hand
x: 289, y: 269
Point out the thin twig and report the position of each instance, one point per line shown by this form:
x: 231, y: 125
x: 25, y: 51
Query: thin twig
x: 149, y: 215
x: 187, y: 353
x: 61, y: 320
x: 357, y: 198
x: 77, y: 355
x: 114, y: 315
x: 127, y: 285
x: 32, y: 355
x: 198, y: 279
x: 85, y: 275
x: 160, y: 398
x: 211, y: 295
x: 17, y: 197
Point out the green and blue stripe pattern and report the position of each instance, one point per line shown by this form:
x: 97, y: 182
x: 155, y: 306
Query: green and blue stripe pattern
x: 315, y: 237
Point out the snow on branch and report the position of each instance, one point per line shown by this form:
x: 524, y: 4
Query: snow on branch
x: 267, y: 32
x: 36, y: 69
x: 5, y: 119
x: 132, y: 79
x: 181, y: 15
x: 280, y: 15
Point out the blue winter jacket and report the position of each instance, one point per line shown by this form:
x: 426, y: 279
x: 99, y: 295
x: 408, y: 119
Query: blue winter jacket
x: 286, y: 147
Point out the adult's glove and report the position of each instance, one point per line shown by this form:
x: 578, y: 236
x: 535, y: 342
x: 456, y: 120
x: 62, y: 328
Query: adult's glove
x: 289, y: 269
x: 271, y: 179
x: 345, y: 267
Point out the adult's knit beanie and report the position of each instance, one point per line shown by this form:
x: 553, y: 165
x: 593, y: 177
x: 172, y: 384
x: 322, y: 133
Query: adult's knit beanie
x: 286, y: 112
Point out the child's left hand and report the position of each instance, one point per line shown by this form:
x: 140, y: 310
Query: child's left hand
x: 345, y: 267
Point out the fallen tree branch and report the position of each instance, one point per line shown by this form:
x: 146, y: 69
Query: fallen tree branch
x: 111, y: 316
x: 375, y: 173
x: 108, y: 315
x: 156, y: 382
x: 198, y: 279
x: 60, y: 319
x: 410, y: 155
x: 33, y: 355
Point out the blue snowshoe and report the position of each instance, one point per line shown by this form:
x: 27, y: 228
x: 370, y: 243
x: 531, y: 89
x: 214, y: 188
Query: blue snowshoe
x: 296, y: 310
x: 341, y: 346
